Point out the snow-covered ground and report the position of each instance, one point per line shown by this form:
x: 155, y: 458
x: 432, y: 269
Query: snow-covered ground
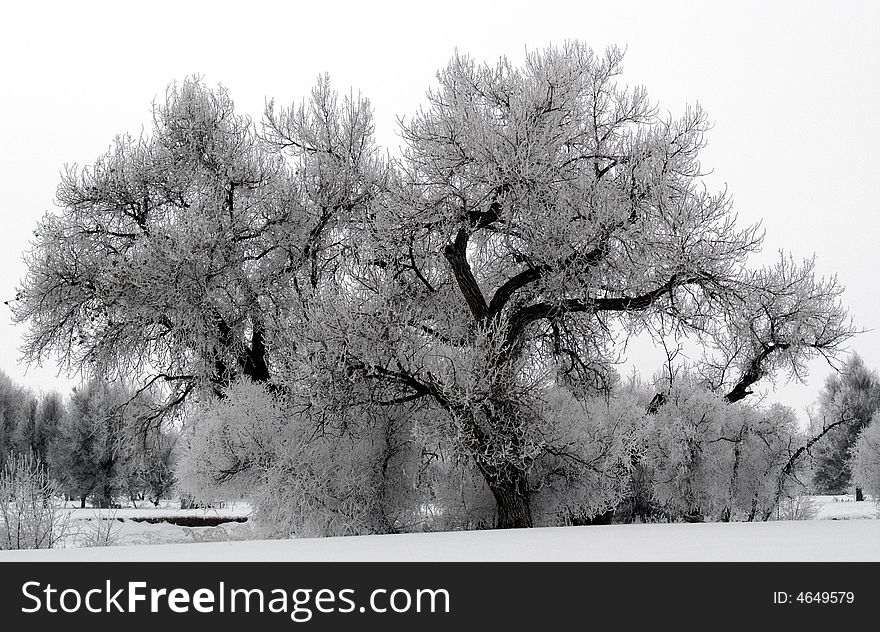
x: 843, y: 530
x: 844, y: 508
x: 802, y: 540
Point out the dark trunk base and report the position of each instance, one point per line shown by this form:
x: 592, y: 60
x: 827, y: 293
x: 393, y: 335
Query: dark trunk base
x: 512, y: 500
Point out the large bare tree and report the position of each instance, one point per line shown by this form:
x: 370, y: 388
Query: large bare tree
x: 538, y: 216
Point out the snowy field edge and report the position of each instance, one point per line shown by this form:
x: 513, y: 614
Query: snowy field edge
x: 782, y: 541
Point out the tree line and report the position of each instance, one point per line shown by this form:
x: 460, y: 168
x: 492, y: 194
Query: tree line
x: 93, y: 444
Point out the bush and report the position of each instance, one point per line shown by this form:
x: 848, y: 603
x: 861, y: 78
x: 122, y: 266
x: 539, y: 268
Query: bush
x: 357, y: 482
x: 710, y: 460
x: 797, y: 508
x: 101, y: 530
x: 29, y: 517
x: 302, y: 478
x: 585, y: 468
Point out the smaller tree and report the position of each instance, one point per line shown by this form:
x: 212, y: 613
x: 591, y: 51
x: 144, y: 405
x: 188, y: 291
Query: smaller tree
x: 865, y: 460
x: 851, y: 397
x: 16, y: 416
x: 147, y: 463
x: 50, y: 412
x: 87, y: 455
x: 38, y: 423
x: 26, y: 434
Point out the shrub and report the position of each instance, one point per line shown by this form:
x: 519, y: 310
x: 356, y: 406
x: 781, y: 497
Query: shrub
x: 102, y: 529
x: 584, y: 469
x: 797, y: 508
x: 708, y: 459
x: 29, y: 517
x: 303, y: 478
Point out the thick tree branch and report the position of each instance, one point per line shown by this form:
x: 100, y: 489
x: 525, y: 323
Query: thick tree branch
x: 504, y: 293
x: 483, y: 219
x: 456, y: 255
x: 512, y: 285
x: 254, y: 360
x: 753, y: 373
x: 525, y: 316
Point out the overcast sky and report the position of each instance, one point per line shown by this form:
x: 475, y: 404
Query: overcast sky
x: 792, y: 88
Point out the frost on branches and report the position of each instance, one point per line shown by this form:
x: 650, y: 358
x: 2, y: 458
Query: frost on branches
x: 707, y: 459
x: 476, y: 289
x: 865, y: 460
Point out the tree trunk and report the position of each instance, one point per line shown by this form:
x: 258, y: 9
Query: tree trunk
x: 638, y: 504
x: 737, y: 454
x: 753, y: 512
x: 511, y: 492
x: 103, y: 498
x: 859, y: 495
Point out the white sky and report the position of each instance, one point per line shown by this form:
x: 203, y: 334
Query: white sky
x: 791, y: 86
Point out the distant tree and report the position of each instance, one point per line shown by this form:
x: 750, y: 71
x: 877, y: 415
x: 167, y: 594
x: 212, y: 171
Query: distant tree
x: 87, y: 452
x: 147, y: 458
x: 16, y: 417
x: 865, y: 458
x: 851, y: 397
x: 27, y: 422
x: 50, y: 413
x: 38, y: 425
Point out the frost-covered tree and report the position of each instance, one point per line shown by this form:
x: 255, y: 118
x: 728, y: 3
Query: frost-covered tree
x: 26, y: 435
x: 87, y: 454
x: 16, y: 418
x: 28, y: 424
x: 158, y: 262
x: 106, y: 445
x: 147, y: 455
x: 49, y: 415
x: 538, y: 216
x: 865, y: 458
x: 849, y: 399
x: 709, y: 459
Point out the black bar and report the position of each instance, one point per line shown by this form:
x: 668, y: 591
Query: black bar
x: 506, y: 596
